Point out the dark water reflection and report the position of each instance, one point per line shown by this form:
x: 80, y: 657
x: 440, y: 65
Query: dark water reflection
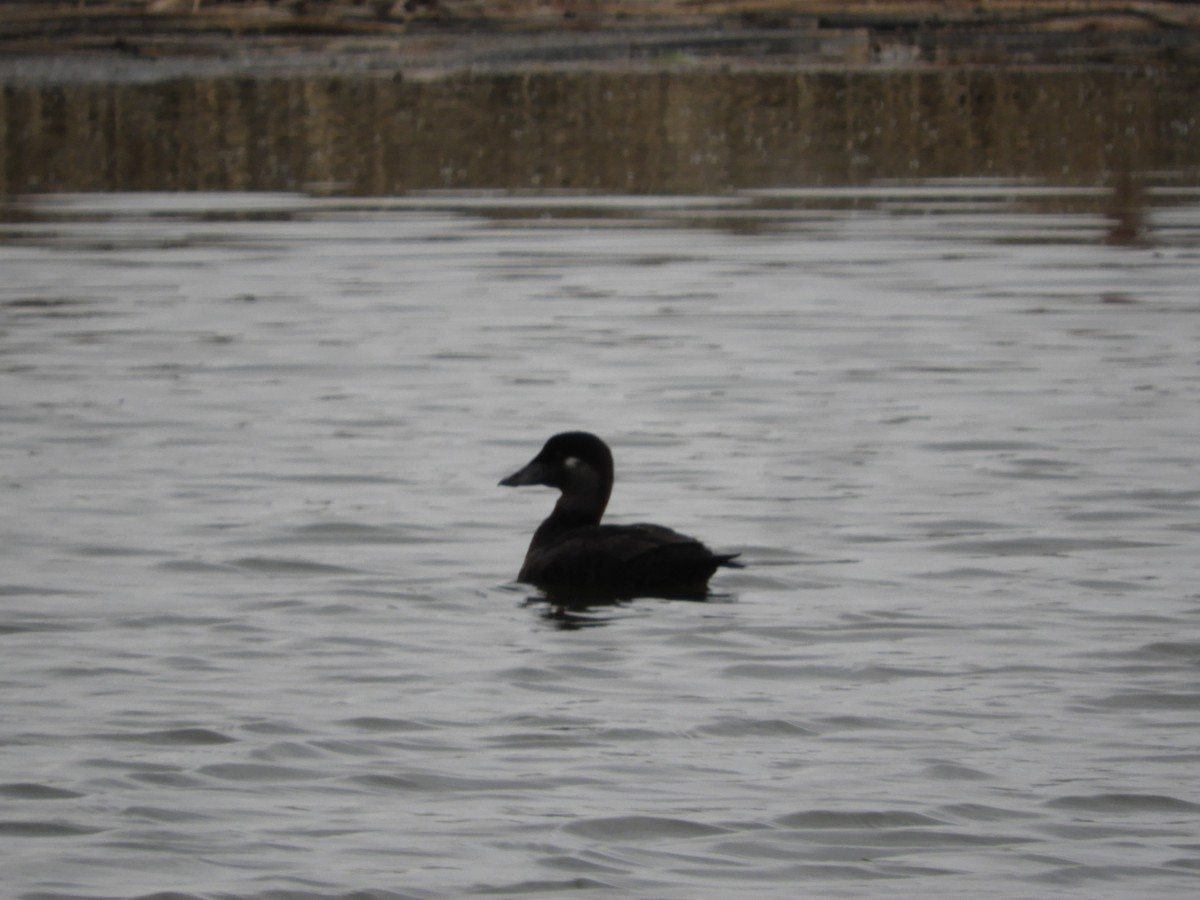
x: 676, y: 131
x: 570, y: 611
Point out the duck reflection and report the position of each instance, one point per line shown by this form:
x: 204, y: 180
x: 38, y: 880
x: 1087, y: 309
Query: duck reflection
x: 575, y: 610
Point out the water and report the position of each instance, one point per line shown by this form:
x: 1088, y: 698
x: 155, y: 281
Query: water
x: 259, y: 635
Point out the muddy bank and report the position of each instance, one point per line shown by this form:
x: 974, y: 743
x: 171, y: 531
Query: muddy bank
x: 672, y: 132
x: 170, y: 38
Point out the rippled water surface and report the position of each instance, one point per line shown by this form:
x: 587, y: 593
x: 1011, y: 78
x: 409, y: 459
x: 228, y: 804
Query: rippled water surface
x: 259, y: 638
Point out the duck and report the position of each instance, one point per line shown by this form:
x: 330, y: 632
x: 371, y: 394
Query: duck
x: 573, y: 553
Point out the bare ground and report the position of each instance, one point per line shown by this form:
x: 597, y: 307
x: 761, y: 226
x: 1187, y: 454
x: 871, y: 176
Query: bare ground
x: 156, y: 38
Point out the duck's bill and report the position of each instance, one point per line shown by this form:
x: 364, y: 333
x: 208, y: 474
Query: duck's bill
x: 534, y: 473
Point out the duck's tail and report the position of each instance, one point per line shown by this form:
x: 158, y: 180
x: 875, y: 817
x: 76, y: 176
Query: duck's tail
x: 728, y: 561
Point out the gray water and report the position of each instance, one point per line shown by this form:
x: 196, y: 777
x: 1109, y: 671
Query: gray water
x: 259, y: 635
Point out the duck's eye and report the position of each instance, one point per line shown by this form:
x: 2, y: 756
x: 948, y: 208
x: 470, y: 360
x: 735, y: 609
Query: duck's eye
x: 572, y: 462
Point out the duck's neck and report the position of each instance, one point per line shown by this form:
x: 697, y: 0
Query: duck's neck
x: 570, y: 512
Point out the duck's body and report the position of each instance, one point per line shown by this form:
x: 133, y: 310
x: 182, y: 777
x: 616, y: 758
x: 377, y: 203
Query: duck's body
x: 572, y: 551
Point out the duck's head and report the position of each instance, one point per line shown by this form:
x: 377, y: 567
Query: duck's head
x: 577, y: 463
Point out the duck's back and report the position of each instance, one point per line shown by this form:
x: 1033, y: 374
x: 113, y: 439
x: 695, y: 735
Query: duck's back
x: 623, y: 559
